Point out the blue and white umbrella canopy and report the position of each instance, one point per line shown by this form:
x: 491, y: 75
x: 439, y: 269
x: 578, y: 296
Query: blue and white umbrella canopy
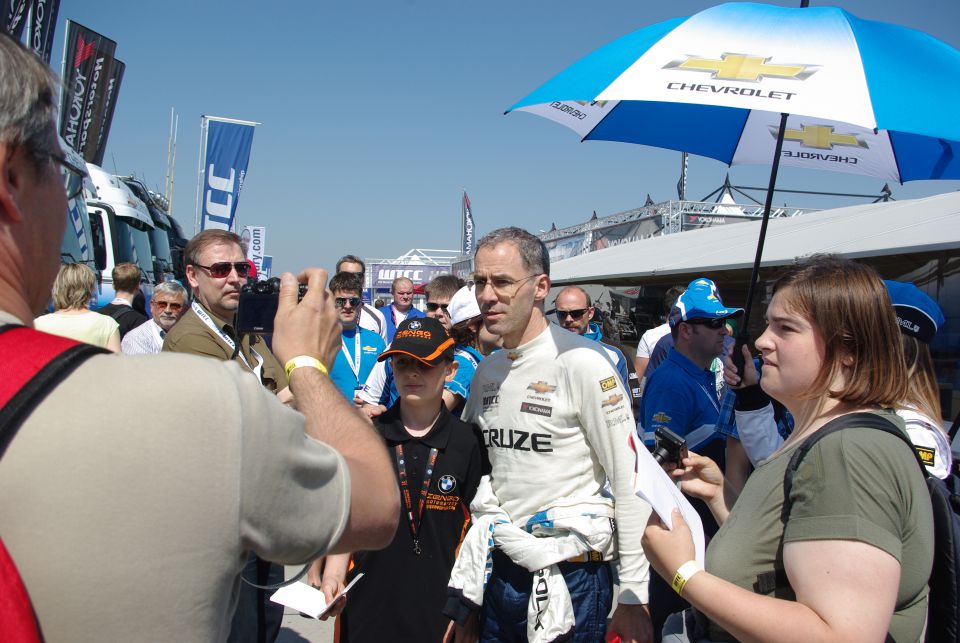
x: 863, y: 97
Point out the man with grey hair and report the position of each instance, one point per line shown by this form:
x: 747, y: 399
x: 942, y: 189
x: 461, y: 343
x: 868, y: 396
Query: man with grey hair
x: 557, y: 425
x: 168, y: 304
x: 162, y: 514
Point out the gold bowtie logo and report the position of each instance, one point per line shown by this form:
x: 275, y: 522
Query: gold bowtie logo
x: 821, y: 137
x: 743, y: 67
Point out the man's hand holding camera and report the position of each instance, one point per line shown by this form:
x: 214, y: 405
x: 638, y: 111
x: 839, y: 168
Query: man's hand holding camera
x: 309, y: 327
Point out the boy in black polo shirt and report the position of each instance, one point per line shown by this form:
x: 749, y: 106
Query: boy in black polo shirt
x: 438, y: 464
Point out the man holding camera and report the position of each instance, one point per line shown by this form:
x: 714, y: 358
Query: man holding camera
x: 137, y: 530
x: 217, y: 270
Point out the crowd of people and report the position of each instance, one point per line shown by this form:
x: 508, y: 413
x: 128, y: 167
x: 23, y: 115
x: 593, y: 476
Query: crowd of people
x: 475, y: 461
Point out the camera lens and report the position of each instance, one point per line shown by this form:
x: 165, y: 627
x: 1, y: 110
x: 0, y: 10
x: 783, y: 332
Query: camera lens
x: 661, y: 455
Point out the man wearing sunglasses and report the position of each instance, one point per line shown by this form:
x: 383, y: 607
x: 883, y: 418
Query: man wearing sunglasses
x: 217, y: 270
x: 359, y: 347
x: 681, y: 395
x: 370, y: 317
x: 574, y: 312
x: 167, y: 306
x: 153, y: 518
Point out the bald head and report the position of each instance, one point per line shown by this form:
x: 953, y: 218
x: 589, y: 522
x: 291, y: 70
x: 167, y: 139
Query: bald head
x: 402, y: 291
x: 574, y: 309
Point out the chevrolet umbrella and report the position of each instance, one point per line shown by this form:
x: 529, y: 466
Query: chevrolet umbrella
x: 752, y: 83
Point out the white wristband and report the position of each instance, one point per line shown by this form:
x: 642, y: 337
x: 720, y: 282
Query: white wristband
x: 687, y: 571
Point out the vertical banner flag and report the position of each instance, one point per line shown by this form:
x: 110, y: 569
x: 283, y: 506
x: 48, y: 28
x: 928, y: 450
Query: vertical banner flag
x: 87, y: 63
x: 110, y: 105
x: 14, y: 15
x: 467, y: 233
x: 43, y: 22
x: 226, y: 153
x: 682, y: 183
x: 267, y: 271
x: 253, y: 238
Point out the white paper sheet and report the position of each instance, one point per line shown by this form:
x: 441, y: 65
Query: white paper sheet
x: 656, y: 487
x: 306, y: 599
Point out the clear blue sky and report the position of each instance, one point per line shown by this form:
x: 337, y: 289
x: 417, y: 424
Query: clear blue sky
x: 375, y: 114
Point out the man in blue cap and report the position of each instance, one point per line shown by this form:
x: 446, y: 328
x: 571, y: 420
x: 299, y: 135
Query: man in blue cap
x: 681, y: 395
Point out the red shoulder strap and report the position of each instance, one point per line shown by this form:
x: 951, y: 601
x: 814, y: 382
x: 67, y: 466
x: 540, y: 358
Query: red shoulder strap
x: 23, y: 353
x: 32, y: 363
x: 18, y: 624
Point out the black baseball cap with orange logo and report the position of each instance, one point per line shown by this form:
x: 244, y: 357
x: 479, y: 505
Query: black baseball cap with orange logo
x: 424, y: 339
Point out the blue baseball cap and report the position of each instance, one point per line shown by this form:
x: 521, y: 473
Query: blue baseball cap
x: 918, y: 315
x: 701, y: 300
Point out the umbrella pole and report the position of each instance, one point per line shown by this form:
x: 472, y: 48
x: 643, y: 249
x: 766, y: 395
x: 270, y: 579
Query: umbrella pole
x: 743, y: 337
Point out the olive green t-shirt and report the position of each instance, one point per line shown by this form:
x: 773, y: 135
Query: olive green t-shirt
x: 856, y: 484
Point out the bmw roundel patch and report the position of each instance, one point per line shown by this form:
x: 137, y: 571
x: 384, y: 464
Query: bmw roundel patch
x: 446, y: 484
x: 414, y: 325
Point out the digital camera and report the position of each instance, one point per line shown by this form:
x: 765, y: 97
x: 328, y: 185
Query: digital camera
x: 670, y: 447
x: 258, y: 306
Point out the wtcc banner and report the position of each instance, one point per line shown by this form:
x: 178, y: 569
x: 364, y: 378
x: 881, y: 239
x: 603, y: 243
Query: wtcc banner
x: 87, y: 67
x: 14, y: 16
x: 43, y: 22
x: 253, y: 242
x: 110, y: 104
x: 385, y: 273
x: 467, y: 233
x: 226, y: 153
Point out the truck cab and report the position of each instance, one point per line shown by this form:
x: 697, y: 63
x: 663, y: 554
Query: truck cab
x: 160, y: 234
x: 77, y: 243
x: 120, y: 225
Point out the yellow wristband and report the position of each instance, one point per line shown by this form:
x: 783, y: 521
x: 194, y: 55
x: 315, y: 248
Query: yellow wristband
x: 304, y: 360
x: 687, y: 571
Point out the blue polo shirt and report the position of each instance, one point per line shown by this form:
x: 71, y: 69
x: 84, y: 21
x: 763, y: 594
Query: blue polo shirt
x: 467, y: 359
x: 682, y: 397
x: 369, y: 349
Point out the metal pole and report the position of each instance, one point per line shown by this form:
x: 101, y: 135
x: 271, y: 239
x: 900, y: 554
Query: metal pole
x: 743, y: 336
x: 166, y: 183
x: 203, y: 147
x: 173, y: 164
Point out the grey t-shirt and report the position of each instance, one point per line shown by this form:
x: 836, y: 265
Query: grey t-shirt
x: 857, y: 484
x: 132, y: 495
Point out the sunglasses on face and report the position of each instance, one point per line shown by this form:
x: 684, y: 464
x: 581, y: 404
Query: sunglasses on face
x: 172, y: 305
x: 222, y: 269
x: 432, y: 306
x: 340, y: 302
x: 715, y: 324
x: 575, y: 314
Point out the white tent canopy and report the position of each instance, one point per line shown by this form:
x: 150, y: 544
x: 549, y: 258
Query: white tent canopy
x: 873, y: 230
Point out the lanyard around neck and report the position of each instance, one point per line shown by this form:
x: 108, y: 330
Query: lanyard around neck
x: 415, y: 522
x: 206, y: 319
x: 353, y: 361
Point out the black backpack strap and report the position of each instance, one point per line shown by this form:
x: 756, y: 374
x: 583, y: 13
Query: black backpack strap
x: 864, y: 419
x: 120, y: 313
